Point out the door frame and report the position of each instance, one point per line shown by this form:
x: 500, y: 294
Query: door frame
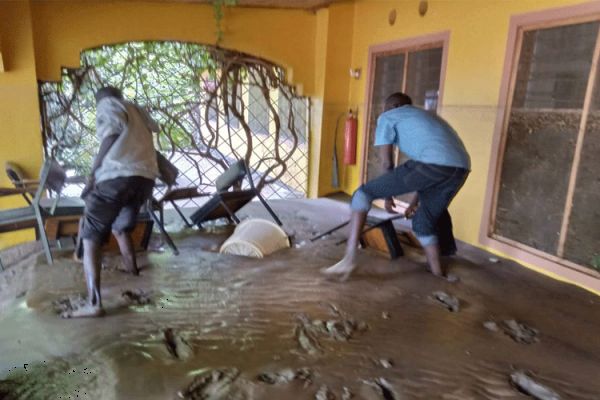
x: 394, y: 47
x: 543, y: 262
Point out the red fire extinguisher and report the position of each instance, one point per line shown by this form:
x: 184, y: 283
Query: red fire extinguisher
x: 350, y: 139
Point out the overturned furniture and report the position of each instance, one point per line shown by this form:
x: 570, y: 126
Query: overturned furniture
x: 225, y: 202
x: 168, y: 174
x: 255, y: 238
x: 379, y: 234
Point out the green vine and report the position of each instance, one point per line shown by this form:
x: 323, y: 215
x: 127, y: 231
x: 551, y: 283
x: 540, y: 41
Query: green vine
x: 218, y: 7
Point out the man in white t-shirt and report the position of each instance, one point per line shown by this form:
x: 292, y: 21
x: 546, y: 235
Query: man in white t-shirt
x: 121, y: 181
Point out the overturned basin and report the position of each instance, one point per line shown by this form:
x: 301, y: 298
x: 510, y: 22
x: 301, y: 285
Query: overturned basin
x: 255, y: 238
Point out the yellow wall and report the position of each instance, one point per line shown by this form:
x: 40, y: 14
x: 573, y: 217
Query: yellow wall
x: 63, y: 28
x: 335, y: 49
x: 20, y: 138
x: 478, y: 38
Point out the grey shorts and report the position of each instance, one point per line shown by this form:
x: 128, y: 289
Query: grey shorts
x: 113, y: 205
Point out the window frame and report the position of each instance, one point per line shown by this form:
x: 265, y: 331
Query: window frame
x: 547, y: 263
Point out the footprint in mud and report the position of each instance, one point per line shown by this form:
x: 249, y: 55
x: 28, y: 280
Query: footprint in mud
x: 525, y: 384
x: 138, y: 297
x: 518, y: 331
x: 211, y: 385
x: 451, y: 303
x: 67, y: 305
x: 176, y: 345
x: 287, y: 375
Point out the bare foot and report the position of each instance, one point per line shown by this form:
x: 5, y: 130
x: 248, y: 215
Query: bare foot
x: 448, y: 277
x: 87, y: 311
x: 342, y: 270
x: 451, y: 278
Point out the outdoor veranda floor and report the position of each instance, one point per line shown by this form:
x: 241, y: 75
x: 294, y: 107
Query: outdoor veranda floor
x: 242, y: 316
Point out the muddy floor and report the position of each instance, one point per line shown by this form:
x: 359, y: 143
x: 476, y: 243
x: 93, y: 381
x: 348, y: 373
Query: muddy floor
x: 206, y: 326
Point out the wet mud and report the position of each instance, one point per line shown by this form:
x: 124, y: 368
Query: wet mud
x: 206, y: 326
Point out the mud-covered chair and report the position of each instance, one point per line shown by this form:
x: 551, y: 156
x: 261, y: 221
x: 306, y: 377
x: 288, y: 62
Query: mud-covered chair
x: 40, y: 210
x: 228, y: 200
x: 19, y: 180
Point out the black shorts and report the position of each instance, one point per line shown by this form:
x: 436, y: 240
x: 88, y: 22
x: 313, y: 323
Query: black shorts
x: 113, y: 205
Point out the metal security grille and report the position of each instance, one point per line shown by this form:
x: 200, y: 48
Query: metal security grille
x: 214, y: 107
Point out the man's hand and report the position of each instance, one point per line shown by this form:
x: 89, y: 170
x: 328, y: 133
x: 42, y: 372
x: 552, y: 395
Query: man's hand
x: 411, y: 210
x: 91, y: 182
x: 389, y: 206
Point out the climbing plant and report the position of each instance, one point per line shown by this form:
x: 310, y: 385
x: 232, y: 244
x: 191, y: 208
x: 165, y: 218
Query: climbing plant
x: 218, y: 9
x: 214, y: 106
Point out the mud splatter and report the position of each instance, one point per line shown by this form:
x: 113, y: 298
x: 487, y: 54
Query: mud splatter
x: 211, y: 385
x: 347, y: 394
x: 138, y: 297
x: 66, y: 305
x: 527, y: 385
x: 324, y: 393
x: 176, y: 345
x: 284, y: 376
x: 517, y: 331
x: 451, y: 303
x: 382, y: 387
x: 306, y: 339
x: 386, y: 363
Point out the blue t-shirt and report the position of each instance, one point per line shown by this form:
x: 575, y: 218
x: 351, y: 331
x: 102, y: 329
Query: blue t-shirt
x: 422, y: 136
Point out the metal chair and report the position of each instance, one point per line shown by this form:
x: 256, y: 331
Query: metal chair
x: 35, y: 215
x: 225, y: 202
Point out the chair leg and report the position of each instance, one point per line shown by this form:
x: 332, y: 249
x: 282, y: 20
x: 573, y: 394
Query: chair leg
x: 161, y: 227
x: 1, y: 265
x: 231, y: 213
x: 269, y: 209
x: 189, y: 225
x: 43, y: 236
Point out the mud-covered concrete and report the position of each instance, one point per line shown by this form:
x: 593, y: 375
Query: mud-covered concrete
x: 202, y: 325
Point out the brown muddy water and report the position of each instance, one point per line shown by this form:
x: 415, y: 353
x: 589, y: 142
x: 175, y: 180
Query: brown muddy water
x: 206, y: 326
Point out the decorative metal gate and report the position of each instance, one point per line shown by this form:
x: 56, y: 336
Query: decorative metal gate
x: 214, y: 106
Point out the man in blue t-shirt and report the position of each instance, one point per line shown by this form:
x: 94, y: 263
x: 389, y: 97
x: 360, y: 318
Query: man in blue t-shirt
x: 437, y: 169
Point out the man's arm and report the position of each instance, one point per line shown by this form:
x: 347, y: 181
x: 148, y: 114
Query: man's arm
x: 104, y: 148
x: 386, y: 155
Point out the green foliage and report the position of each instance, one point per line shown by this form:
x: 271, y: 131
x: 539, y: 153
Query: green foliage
x: 218, y: 6
x: 188, y: 89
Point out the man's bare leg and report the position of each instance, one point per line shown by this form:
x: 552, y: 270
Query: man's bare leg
x: 346, y: 266
x: 126, y: 246
x: 91, y: 266
x: 432, y: 252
